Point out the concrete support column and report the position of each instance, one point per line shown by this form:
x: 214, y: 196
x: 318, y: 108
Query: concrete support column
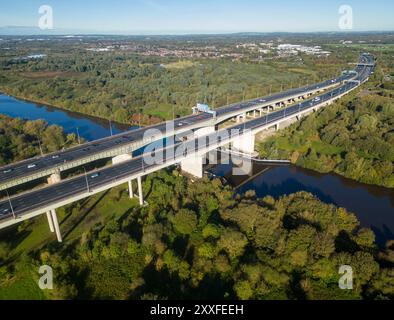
x: 193, y: 165
x: 54, y: 178
x: 50, y: 222
x: 121, y: 158
x: 56, y: 225
x: 245, y: 143
x: 140, y: 191
x: 131, y: 192
x: 277, y: 127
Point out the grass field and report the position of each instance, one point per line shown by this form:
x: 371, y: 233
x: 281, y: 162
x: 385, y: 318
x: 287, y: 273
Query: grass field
x: 180, y: 64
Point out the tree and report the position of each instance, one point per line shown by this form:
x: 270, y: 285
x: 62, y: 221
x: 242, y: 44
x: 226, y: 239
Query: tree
x: 185, y: 222
x: 233, y: 242
x: 243, y: 290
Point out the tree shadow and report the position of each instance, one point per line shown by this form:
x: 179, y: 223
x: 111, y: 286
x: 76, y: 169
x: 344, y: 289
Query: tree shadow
x: 343, y: 242
x: 291, y: 222
x: 296, y: 291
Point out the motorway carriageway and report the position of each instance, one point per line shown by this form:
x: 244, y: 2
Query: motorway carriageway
x: 38, y: 164
x: 34, y: 200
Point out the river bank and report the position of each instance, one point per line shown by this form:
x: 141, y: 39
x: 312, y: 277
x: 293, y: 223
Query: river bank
x: 62, y: 108
x: 374, y: 206
x: 88, y: 127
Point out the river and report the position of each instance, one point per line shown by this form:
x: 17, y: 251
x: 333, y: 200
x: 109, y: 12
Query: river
x: 374, y: 206
x: 89, y: 128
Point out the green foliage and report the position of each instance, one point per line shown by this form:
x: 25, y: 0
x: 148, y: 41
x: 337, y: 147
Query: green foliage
x: 287, y: 248
x: 353, y: 138
x: 21, y: 139
x: 185, y: 222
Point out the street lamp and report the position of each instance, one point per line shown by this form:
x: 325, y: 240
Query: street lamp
x: 12, y: 208
x: 110, y: 127
x: 140, y: 117
x: 79, y: 139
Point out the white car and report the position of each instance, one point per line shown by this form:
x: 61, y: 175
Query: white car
x: 7, y: 171
x: 55, y: 157
x: 31, y: 166
x: 4, y: 212
x: 95, y: 175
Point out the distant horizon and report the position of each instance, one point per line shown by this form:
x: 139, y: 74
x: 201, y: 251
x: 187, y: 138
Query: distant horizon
x: 179, y: 17
x: 76, y: 32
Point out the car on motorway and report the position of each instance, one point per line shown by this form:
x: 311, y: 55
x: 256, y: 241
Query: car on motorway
x: 31, y: 166
x: 8, y: 171
x: 4, y: 212
x: 55, y: 156
x: 95, y: 175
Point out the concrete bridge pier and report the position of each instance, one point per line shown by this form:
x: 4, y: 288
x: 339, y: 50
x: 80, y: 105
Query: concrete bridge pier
x: 121, y: 158
x: 54, y: 178
x: 241, y: 118
x: 193, y: 165
x: 56, y: 225
x: 140, y: 191
x: 131, y: 192
x: 245, y: 143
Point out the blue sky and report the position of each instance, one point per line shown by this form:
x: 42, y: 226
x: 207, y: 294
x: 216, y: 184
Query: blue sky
x: 198, y: 16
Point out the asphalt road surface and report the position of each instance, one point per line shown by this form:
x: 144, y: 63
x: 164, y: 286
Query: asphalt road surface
x: 27, y: 202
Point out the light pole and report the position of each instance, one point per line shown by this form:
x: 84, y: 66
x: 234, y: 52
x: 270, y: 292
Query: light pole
x: 87, y: 181
x: 12, y: 208
x: 79, y: 139
x: 140, y: 117
x: 110, y: 127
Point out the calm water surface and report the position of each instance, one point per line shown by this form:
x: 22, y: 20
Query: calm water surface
x: 90, y: 128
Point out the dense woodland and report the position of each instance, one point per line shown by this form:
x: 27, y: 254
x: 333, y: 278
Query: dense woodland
x: 195, y: 240
x: 21, y: 139
x: 117, y: 85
